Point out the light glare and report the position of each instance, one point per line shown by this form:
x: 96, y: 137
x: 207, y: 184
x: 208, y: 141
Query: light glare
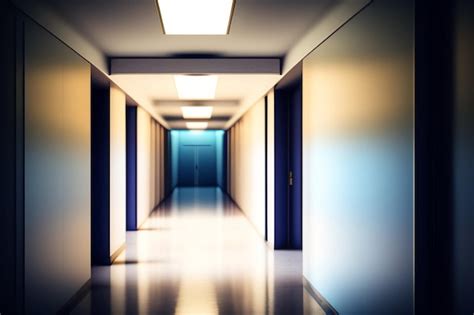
x: 193, y: 17
x: 196, y: 124
x: 196, y: 87
x: 196, y: 112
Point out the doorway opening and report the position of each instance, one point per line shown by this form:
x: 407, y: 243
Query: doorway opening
x: 288, y: 161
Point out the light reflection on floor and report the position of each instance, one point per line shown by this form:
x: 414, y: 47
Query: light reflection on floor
x: 198, y: 254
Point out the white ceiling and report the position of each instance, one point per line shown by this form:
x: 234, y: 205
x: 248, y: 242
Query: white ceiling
x: 232, y: 91
x: 131, y: 28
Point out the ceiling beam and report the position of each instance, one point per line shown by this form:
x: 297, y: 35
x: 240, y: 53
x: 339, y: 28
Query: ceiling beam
x: 119, y: 65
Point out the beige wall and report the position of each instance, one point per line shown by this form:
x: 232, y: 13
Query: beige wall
x: 117, y: 169
x: 247, y: 164
x: 57, y: 171
x: 144, y: 167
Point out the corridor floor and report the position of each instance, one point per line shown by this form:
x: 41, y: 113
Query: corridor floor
x: 198, y: 254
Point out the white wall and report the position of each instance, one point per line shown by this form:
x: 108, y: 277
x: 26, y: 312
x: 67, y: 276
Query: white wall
x: 271, y: 167
x: 117, y: 169
x: 358, y: 104
x: 247, y: 164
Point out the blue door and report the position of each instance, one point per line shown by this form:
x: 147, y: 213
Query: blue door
x: 197, y: 165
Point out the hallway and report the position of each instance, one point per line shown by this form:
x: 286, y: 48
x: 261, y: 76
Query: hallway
x: 198, y: 254
x: 237, y: 157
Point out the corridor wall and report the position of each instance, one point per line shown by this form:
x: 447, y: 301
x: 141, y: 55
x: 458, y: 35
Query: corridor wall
x: 57, y: 171
x: 271, y: 168
x: 463, y: 157
x: 11, y: 263
x: 108, y: 171
x: 358, y: 103
x: 150, y: 156
x: 246, y: 169
x: 220, y: 159
x: 117, y: 170
x: 144, y: 176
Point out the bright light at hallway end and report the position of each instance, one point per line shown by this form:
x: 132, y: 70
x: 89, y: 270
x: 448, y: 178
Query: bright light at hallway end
x: 196, y: 125
x: 197, y: 112
x: 196, y: 17
x: 196, y: 87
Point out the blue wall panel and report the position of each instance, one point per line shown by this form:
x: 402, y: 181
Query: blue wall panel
x: 131, y: 168
x: 281, y: 169
x: 288, y: 149
x: 100, y: 165
x: 295, y: 165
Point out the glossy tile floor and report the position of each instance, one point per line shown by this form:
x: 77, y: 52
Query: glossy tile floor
x: 198, y: 254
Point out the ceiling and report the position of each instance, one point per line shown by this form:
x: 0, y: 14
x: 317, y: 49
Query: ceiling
x: 132, y: 28
x: 232, y: 91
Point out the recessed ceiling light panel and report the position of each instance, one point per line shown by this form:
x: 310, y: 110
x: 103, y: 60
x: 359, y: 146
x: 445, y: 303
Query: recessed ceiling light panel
x: 196, y: 125
x: 196, y: 17
x: 196, y: 87
x: 197, y: 112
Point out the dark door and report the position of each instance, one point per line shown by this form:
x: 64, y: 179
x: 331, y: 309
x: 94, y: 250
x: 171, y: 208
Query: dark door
x: 295, y: 169
x: 206, y: 165
x: 288, y: 166
x: 187, y: 166
x: 197, y: 165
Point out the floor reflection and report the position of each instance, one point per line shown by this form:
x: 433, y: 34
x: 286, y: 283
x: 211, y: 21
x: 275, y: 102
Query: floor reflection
x: 198, y: 254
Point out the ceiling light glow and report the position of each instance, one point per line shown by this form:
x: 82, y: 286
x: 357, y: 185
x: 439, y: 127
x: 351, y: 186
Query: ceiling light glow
x: 196, y: 17
x: 196, y: 87
x: 196, y: 124
x: 197, y: 112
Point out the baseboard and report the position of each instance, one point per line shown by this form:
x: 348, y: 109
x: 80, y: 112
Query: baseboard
x: 76, y: 298
x: 325, y: 305
x: 116, y: 254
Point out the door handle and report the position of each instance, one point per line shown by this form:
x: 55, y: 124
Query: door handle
x: 290, y: 178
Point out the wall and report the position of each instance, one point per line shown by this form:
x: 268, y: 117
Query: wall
x: 57, y: 171
x: 9, y: 229
x: 144, y: 199
x: 117, y: 169
x: 247, y: 164
x: 161, y: 158
x: 220, y: 169
x: 463, y: 158
x: 357, y: 160
x: 108, y: 171
x: 271, y: 168
x: 150, y: 155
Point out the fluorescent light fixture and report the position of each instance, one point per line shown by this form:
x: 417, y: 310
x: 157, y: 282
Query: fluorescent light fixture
x: 196, y: 17
x: 197, y: 112
x: 196, y: 124
x: 196, y: 87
